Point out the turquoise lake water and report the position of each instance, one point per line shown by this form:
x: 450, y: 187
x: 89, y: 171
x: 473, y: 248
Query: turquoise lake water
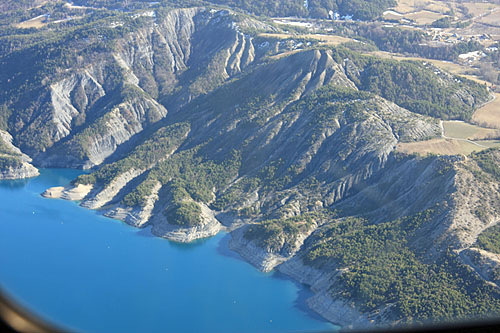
x: 89, y: 273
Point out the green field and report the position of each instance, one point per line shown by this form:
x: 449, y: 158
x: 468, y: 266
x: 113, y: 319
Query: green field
x: 462, y: 130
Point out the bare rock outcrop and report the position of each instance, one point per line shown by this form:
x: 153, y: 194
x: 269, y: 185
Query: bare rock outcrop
x: 208, y: 227
x: 14, y: 164
x: 72, y: 193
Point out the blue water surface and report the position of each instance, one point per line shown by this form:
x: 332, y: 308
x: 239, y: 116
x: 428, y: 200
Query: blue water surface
x: 89, y: 273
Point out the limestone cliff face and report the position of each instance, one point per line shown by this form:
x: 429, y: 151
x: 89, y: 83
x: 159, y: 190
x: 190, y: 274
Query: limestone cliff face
x: 25, y: 170
x: 253, y: 253
x: 475, y: 204
x: 337, y: 310
x: 208, y: 227
x: 15, y: 164
x: 93, y: 144
x: 71, y: 97
x: 339, y: 145
x: 138, y: 216
x: 193, y: 123
x: 89, y: 111
x: 101, y: 104
x: 404, y: 187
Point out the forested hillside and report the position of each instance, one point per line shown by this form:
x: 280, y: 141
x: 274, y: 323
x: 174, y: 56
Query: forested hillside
x: 358, y: 9
x: 201, y: 119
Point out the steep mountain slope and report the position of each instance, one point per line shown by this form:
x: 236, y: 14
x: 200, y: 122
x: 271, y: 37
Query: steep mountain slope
x: 13, y: 163
x: 171, y: 58
x: 192, y: 122
x: 409, y: 253
x: 268, y: 141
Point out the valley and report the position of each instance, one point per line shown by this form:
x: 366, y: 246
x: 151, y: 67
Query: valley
x: 357, y: 157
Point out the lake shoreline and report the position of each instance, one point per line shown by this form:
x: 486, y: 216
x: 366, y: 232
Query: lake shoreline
x: 51, y: 246
x: 320, y: 303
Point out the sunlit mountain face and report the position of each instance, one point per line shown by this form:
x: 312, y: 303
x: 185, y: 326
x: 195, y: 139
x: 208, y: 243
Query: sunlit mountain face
x: 350, y: 146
